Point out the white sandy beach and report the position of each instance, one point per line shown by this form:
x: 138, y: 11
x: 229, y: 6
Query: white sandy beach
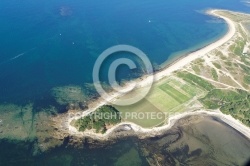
x: 159, y: 75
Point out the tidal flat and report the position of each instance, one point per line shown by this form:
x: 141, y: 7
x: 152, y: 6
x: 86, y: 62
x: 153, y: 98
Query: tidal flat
x: 193, y: 140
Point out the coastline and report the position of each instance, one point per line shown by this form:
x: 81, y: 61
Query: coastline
x: 145, y: 80
x: 142, y: 133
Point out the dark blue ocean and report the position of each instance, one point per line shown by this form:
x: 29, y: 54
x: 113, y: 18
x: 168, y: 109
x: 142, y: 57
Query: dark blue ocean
x: 48, y: 44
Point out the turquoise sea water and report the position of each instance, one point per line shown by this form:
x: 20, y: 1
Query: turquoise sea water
x: 48, y: 44
x: 208, y: 142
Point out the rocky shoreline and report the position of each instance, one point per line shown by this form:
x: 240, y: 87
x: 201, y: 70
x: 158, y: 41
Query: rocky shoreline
x: 192, y: 139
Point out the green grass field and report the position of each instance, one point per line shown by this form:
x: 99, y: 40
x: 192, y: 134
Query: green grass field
x: 166, y: 97
x: 177, y: 95
x: 140, y: 113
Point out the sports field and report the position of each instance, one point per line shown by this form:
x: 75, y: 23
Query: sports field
x: 166, y: 97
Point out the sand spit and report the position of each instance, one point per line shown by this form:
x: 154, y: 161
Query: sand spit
x: 144, y: 81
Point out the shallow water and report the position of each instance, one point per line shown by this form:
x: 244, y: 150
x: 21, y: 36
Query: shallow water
x: 192, y: 141
x: 47, y: 53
